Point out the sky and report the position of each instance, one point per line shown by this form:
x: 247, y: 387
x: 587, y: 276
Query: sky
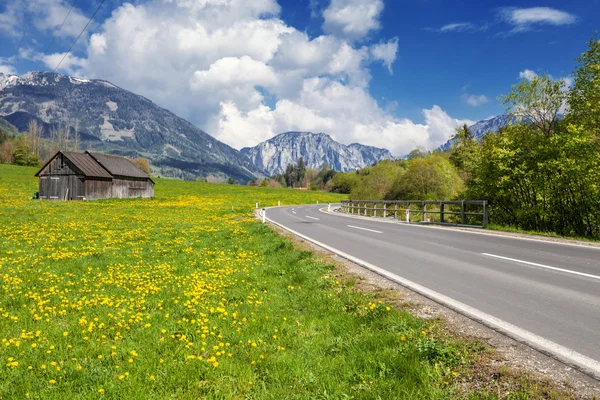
x: 387, y: 73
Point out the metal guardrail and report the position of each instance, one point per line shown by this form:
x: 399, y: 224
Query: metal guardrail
x: 461, y: 212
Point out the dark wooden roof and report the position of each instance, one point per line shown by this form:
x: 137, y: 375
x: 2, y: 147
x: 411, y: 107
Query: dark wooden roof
x: 83, y: 162
x: 86, y: 164
x: 118, y: 166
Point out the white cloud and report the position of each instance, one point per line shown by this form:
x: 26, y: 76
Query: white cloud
x: 323, y: 106
x: 7, y: 69
x: 235, y: 69
x: 527, y: 74
x: 386, y: 53
x: 458, y: 27
x: 71, y: 64
x: 524, y: 19
x: 475, y: 100
x: 352, y: 19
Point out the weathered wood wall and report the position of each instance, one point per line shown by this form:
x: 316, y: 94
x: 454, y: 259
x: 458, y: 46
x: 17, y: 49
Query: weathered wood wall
x: 130, y: 188
x: 98, y: 189
x: 60, y: 181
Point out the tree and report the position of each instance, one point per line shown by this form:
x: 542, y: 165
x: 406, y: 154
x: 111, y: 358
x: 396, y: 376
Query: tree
x: 231, y: 181
x: 465, y: 151
x: 538, y: 102
x: 34, y: 135
x: 264, y: 183
x: 429, y: 178
x: 416, y: 153
x: 7, y: 149
x: 23, y: 153
x: 584, y: 98
x: 143, y: 164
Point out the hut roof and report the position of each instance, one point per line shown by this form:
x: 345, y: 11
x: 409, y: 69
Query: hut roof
x: 87, y: 165
x: 84, y: 163
x: 118, y: 166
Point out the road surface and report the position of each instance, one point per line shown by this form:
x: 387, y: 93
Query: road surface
x: 549, y: 289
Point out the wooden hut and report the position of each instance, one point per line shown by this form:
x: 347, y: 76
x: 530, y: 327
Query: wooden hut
x: 91, y: 176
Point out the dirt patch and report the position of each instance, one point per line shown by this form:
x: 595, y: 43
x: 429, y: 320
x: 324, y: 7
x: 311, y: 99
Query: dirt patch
x: 506, y: 369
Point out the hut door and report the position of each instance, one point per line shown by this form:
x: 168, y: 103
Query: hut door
x: 53, y: 188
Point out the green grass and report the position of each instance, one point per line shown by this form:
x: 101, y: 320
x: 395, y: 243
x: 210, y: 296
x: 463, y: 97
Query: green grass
x: 512, y: 229
x: 186, y: 296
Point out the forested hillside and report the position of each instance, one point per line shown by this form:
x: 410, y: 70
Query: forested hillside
x: 540, y: 173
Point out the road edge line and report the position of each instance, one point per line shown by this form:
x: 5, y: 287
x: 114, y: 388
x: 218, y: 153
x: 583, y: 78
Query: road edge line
x: 578, y: 361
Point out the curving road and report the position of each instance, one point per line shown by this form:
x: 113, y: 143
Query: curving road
x: 550, y: 290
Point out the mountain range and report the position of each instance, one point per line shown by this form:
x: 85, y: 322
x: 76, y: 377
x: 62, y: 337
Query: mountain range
x: 114, y: 120
x: 481, y: 128
x: 316, y: 149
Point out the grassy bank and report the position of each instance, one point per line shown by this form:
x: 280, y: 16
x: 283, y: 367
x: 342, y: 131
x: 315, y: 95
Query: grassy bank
x: 186, y: 297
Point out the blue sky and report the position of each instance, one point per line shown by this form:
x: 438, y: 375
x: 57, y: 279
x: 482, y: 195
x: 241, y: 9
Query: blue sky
x: 395, y: 74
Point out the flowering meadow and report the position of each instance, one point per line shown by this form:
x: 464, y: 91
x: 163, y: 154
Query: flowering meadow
x: 186, y: 296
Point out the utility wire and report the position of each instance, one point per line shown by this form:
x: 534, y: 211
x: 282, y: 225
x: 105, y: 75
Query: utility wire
x: 26, y: 26
x: 81, y: 33
x: 56, y: 34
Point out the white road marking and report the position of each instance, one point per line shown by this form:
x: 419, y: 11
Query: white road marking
x: 543, y: 266
x: 308, y: 216
x: 364, y: 229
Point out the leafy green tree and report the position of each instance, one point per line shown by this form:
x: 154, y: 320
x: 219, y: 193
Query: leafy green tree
x: 23, y: 153
x: 464, y: 154
x: 538, y: 102
x: 429, y: 178
x: 416, y: 153
x: 584, y: 98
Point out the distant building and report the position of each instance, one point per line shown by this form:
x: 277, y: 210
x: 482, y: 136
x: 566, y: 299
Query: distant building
x: 92, y: 176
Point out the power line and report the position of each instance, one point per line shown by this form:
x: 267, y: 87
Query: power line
x: 56, y: 34
x: 26, y: 26
x: 81, y: 33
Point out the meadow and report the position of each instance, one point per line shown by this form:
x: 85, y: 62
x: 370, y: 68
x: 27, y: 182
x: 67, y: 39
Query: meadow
x: 186, y: 296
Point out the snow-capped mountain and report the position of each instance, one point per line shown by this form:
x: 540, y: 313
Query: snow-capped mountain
x: 316, y: 149
x: 114, y: 120
x: 481, y: 128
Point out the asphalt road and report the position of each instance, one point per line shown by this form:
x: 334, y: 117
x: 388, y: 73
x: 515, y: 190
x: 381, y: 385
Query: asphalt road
x: 549, y: 289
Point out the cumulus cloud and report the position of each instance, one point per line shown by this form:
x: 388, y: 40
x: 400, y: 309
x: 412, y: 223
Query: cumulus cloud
x: 527, y: 74
x: 386, y: 53
x: 352, y: 19
x: 235, y: 69
x: 525, y: 19
x: 323, y: 106
x: 46, y: 16
x: 7, y: 69
x: 475, y: 100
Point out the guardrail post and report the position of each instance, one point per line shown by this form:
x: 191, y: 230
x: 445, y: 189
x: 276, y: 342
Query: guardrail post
x: 384, y: 210
x: 424, y: 212
x: 463, y: 210
x: 395, y: 210
x: 408, y: 214
x: 365, y: 204
x: 442, y: 212
x: 374, y: 209
x: 486, y: 216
